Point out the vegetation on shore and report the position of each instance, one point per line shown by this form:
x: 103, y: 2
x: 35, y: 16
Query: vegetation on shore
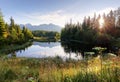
x: 7, y: 49
x: 46, y: 36
x: 12, y: 33
x: 44, y: 39
x: 101, y: 30
x: 57, y: 70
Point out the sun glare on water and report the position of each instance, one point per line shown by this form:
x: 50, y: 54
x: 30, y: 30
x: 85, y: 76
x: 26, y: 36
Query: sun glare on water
x: 101, y: 22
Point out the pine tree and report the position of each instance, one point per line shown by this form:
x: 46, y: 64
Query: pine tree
x: 3, y: 33
x: 27, y: 33
x: 13, y: 33
x: 84, y: 24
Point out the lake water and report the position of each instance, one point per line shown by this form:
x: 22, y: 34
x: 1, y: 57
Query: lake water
x: 45, y: 49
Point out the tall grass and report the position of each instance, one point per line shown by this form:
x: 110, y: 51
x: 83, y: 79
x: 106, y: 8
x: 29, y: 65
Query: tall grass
x: 57, y: 70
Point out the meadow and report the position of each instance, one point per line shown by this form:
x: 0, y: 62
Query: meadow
x: 55, y: 69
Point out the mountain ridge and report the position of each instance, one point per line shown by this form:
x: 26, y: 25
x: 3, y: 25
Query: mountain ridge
x: 45, y: 27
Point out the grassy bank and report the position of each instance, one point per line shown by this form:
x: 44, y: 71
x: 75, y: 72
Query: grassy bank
x: 44, y: 39
x: 13, y: 47
x: 57, y: 70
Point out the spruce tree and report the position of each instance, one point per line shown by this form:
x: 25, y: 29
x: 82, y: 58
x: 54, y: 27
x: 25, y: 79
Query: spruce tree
x: 3, y: 33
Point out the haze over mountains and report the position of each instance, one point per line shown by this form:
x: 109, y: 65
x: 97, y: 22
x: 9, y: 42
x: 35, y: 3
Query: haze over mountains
x: 46, y: 27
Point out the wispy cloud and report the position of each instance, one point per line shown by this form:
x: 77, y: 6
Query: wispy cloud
x: 101, y: 12
x: 60, y: 17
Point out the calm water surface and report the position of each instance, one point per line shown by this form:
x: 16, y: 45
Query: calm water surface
x: 44, y: 49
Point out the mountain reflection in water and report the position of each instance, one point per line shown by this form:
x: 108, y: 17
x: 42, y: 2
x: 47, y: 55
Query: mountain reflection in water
x: 45, y: 49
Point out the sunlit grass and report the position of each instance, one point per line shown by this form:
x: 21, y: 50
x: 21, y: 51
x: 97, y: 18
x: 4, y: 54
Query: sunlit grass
x: 57, y: 70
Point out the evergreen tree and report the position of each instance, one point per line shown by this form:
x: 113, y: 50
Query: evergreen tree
x: 90, y: 31
x: 3, y: 33
x: 27, y: 33
x: 84, y: 24
x: 13, y: 33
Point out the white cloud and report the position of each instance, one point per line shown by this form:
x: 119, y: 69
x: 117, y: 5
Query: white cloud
x: 106, y: 10
x: 101, y: 12
x: 59, y: 17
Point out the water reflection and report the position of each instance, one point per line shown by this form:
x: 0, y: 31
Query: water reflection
x: 12, y: 54
x: 42, y: 50
x: 76, y: 48
x: 52, y: 49
x: 47, y: 44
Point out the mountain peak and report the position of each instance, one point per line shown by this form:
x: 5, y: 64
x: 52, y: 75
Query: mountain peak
x: 46, y: 27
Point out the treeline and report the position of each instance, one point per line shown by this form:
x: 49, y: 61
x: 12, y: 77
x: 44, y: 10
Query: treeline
x: 12, y: 33
x: 47, y: 34
x: 101, y: 30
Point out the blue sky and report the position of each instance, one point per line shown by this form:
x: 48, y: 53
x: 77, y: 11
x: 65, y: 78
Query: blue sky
x: 57, y: 12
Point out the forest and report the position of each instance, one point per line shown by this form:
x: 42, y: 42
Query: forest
x: 12, y: 33
x: 48, y: 35
x: 101, y: 30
